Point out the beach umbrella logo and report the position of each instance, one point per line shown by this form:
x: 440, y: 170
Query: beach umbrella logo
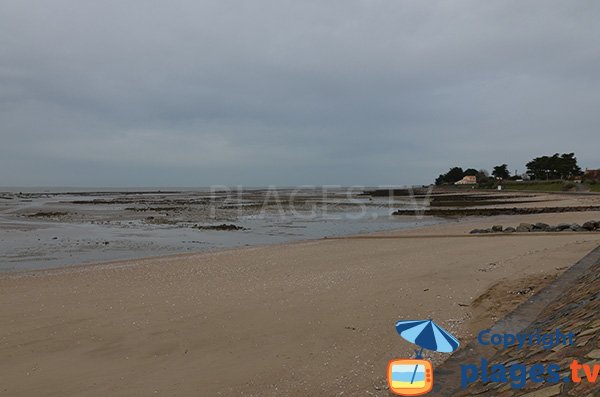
x: 414, y: 377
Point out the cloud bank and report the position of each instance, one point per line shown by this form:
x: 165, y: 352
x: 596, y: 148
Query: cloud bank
x: 193, y: 93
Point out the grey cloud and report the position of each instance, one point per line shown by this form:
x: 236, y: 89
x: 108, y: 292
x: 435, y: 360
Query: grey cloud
x: 349, y: 92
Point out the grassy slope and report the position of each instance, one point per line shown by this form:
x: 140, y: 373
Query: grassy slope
x: 553, y: 186
x: 595, y: 187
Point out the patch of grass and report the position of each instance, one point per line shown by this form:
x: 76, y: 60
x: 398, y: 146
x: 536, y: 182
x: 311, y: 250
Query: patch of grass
x: 550, y: 186
x: 594, y: 187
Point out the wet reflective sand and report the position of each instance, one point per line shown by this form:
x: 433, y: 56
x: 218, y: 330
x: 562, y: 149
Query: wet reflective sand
x: 44, y: 229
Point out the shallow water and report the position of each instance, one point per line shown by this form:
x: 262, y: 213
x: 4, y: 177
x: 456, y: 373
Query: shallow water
x: 104, y: 232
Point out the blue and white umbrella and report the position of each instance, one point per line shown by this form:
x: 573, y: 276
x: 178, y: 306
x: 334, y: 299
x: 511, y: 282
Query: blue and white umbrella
x: 427, y: 335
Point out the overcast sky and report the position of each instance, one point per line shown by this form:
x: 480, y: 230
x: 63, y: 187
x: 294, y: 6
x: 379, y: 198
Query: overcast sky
x: 193, y: 93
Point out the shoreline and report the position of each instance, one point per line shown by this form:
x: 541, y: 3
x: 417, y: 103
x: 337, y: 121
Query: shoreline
x: 48, y: 231
x: 179, y: 323
x: 376, y: 235
x: 57, y: 230
x: 140, y: 261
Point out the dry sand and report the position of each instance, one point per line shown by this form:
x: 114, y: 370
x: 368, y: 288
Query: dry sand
x: 303, y: 319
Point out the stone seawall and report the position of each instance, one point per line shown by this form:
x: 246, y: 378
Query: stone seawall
x: 571, y: 304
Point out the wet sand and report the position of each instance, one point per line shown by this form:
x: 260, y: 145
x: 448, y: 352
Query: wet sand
x: 308, y: 318
x: 47, y: 229
x: 52, y: 229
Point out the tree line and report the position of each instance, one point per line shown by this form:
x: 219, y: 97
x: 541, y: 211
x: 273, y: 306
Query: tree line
x: 540, y: 168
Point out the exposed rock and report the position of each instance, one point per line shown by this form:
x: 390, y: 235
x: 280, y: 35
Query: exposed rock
x: 47, y: 214
x: 481, y: 231
x: 590, y: 225
x: 224, y: 226
x: 538, y: 227
x: 525, y: 227
x: 528, y: 226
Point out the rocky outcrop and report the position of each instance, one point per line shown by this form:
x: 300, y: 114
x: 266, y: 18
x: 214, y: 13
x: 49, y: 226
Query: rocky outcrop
x: 222, y: 227
x: 589, y: 226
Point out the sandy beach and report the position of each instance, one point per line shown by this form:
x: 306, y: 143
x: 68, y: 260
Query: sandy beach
x: 307, y: 318
x: 298, y: 199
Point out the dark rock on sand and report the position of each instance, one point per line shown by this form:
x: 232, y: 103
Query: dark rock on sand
x: 224, y: 226
x: 481, y: 231
x: 590, y: 225
x: 47, y: 214
x: 525, y: 227
x: 539, y: 227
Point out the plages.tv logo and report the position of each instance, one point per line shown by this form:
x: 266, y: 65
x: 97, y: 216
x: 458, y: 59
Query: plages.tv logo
x: 414, y: 376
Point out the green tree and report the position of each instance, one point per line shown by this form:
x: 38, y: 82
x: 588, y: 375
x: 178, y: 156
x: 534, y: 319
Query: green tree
x: 453, y: 175
x: 501, y: 171
x: 554, y: 167
x: 567, y: 166
x: 470, y: 172
x: 440, y: 180
x: 484, y: 181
